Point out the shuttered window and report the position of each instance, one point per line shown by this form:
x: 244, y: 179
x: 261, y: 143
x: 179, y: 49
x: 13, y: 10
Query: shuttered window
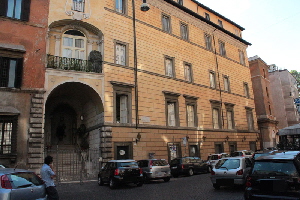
x: 17, y: 9
x: 212, y: 79
x: 190, y: 115
x: 169, y: 67
x: 184, y: 31
x: 188, y: 72
x: 242, y: 57
x: 222, y: 48
x: 120, y: 54
x: 166, y: 25
x: 208, y: 41
x: 171, y: 114
x: 250, y: 121
x: 226, y: 84
x: 229, y: 119
x: 122, y: 108
x: 216, y: 118
x: 11, y: 72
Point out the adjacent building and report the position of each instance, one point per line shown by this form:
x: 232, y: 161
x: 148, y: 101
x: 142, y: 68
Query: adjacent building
x: 266, y: 120
x: 168, y: 82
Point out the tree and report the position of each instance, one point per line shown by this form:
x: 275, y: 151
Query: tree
x: 297, y: 77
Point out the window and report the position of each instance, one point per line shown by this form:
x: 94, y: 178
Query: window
x: 188, y: 73
x: 122, y: 102
x: 166, y: 25
x: 121, y: 53
x: 242, y: 57
x: 17, y: 9
x: 180, y: 2
x: 220, y: 23
x: 222, y: 48
x: 11, y: 72
x: 226, y: 84
x: 230, y: 116
x: 216, y: 114
x: 208, y: 43
x: 7, y: 134
x: 219, y: 147
x: 184, y: 31
x: 250, y: 121
x: 194, y: 150
x: 246, y: 90
x: 169, y: 65
x: 172, y: 110
x: 73, y: 45
x: 191, y: 110
x: 212, y: 79
x: 78, y: 5
x: 120, y: 6
x: 207, y: 16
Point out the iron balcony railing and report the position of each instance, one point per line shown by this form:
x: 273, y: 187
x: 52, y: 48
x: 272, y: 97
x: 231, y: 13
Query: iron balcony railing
x: 63, y: 63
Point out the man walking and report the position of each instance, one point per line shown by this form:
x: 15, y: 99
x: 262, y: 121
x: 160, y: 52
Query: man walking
x: 47, y: 175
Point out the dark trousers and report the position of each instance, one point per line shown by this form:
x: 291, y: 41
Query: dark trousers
x: 52, y: 193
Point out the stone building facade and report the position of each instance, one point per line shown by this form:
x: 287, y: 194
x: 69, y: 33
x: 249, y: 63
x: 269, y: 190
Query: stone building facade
x: 266, y: 120
x: 168, y: 82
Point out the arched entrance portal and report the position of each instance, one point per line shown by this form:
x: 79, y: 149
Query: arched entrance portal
x: 73, y: 114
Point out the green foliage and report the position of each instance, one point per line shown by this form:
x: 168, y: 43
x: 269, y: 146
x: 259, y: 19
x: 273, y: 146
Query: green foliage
x: 297, y: 77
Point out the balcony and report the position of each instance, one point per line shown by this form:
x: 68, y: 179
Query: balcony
x: 63, y: 63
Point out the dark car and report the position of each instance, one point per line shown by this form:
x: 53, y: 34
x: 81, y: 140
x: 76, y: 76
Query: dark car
x: 188, y: 166
x: 155, y: 169
x: 21, y: 184
x: 117, y: 172
x: 274, y: 177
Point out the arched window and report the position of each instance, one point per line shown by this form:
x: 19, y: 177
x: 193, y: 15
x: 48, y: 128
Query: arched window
x: 74, y: 45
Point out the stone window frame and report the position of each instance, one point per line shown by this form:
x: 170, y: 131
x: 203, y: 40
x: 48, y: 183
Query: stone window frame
x: 14, y: 120
x: 190, y: 75
x: 246, y: 90
x: 24, y: 11
x: 6, y: 56
x: 116, y: 42
x: 179, y: 153
x: 192, y: 101
x: 197, y: 154
x: 208, y: 41
x: 218, y: 106
x: 166, y: 57
x: 220, y: 23
x: 207, y: 16
x: 226, y: 79
x: 212, y: 79
x: 230, y: 108
x: 120, y: 88
x: 242, y: 57
x: 172, y: 97
x: 124, y: 7
x: 222, y: 48
x: 184, y: 36
x: 129, y: 144
x: 250, y: 118
x: 222, y: 147
x: 167, y: 29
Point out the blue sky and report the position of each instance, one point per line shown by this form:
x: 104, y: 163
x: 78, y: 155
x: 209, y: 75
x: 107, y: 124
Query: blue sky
x: 271, y: 26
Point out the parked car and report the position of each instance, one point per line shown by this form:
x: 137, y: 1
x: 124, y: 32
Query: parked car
x: 155, y: 169
x: 188, y: 166
x: 246, y: 153
x: 274, y: 177
x: 230, y: 171
x: 117, y: 172
x: 21, y: 184
x: 258, y: 154
x: 213, y: 159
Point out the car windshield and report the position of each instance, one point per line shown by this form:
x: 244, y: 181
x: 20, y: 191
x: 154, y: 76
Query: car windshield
x: 268, y: 167
x: 159, y: 163
x: 24, y: 179
x: 214, y: 157
x: 256, y: 155
x: 127, y: 164
x: 228, y: 164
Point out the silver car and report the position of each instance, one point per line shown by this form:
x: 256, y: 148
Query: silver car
x: 21, y: 184
x: 155, y: 169
x: 230, y: 171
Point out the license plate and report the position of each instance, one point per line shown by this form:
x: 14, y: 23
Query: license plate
x: 174, y: 167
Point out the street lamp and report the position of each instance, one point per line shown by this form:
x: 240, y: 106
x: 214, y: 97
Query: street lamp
x: 144, y: 7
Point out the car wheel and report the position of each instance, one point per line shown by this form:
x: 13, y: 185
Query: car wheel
x: 166, y: 179
x: 139, y: 184
x: 191, y: 172
x: 112, y: 184
x: 216, y: 186
x: 100, y: 182
x: 146, y: 179
x: 208, y: 169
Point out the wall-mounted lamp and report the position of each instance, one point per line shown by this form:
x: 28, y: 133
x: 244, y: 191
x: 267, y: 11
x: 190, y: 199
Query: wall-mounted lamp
x: 203, y: 138
x: 145, y: 6
x: 138, y: 138
x: 257, y: 139
x: 226, y: 139
x: 187, y: 138
x: 244, y: 139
